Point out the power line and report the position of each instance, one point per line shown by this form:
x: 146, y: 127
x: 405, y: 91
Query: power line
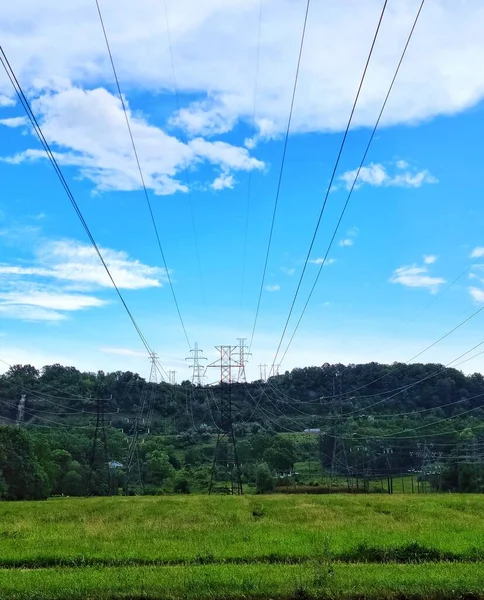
x: 343, y: 141
x: 356, y: 178
x: 249, y: 180
x: 23, y: 100
x: 135, y: 152
x: 286, y: 139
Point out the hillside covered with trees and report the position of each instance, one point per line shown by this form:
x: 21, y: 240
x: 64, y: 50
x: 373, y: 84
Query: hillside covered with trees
x: 63, y: 431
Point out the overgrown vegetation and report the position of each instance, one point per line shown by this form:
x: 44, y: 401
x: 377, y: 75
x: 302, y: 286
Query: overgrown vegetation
x: 427, y: 437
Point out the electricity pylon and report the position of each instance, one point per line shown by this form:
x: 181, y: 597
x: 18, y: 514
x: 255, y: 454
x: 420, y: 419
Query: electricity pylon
x: 198, y: 372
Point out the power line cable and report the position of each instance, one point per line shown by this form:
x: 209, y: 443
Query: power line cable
x: 249, y: 180
x: 330, y: 184
x: 23, y: 100
x: 353, y: 184
x: 283, y: 160
x: 142, y: 179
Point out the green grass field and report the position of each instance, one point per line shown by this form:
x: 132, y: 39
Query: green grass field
x: 338, y: 546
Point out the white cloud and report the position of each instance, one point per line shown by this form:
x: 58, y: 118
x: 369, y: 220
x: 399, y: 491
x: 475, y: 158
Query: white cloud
x: 209, y: 38
x: 222, y: 182
x: 288, y: 271
x: 123, y: 352
x: 6, y: 101
x: 13, y: 121
x: 429, y: 259
x: 273, y: 288
x: 59, y: 276
x: 320, y: 261
x: 50, y: 300
x: 377, y: 175
x: 417, y: 277
x: 350, y: 239
x: 401, y: 164
x: 77, y: 263
x: 477, y: 252
x: 30, y: 313
x: 477, y: 294
x: 87, y: 130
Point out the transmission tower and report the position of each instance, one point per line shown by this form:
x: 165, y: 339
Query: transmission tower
x: 339, y: 458
x: 198, y: 372
x: 263, y: 372
x: 275, y: 370
x: 141, y: 427
x: 228, y: 363
x: 243, y: 354
x: 172, y: 377
x: 99, y: 459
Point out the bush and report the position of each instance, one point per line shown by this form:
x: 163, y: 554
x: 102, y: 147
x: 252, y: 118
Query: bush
x: 263, y: 479
x: 182, y: 485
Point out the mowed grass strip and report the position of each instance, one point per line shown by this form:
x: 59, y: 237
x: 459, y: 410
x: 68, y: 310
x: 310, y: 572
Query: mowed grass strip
x: 426, y: 582
x: 211, y: 529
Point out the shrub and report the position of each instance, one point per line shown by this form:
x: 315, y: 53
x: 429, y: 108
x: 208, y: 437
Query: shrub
x: 263, y: 479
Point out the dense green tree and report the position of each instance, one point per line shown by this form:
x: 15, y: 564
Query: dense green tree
x: 281, y: 456
x: 159, y: 467
x: 264, y: 481
x: 24, y: 477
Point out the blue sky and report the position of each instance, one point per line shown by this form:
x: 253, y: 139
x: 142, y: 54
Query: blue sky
x: 414, y: 222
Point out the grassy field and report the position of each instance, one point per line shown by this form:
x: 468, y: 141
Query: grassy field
x: 339, y: 546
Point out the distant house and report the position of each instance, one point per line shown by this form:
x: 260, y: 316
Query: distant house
x: 114, y: 464
x: 318, y: 431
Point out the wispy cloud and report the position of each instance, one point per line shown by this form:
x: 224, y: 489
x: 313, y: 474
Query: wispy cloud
x: 377, y: 175
x: 6, y: 101
x: 123, y: 352
x: 477, y: 294
x: 416, y: 277
x: 320, y: 261
x: 60, y: 275
x: 478, y: 252
x: 223, y: 182
x: 349, y: 240
x: 273, y: 288
x: 30, y: 313
x: 14, y: 121
x: 429, y: 259
x: 288, y: 271
x: 49, y: 299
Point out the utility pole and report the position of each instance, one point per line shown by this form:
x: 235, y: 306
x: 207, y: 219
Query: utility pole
x: 227, y: 364
x: 198, y: 372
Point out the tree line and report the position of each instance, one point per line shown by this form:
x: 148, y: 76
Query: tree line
x: 366, y: 420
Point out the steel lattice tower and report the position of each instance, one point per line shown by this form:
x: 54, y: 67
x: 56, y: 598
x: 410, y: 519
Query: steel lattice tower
x: 141, y: 426
x: 198, y: 372
x: 243, y: 354
x: 228, y: 366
